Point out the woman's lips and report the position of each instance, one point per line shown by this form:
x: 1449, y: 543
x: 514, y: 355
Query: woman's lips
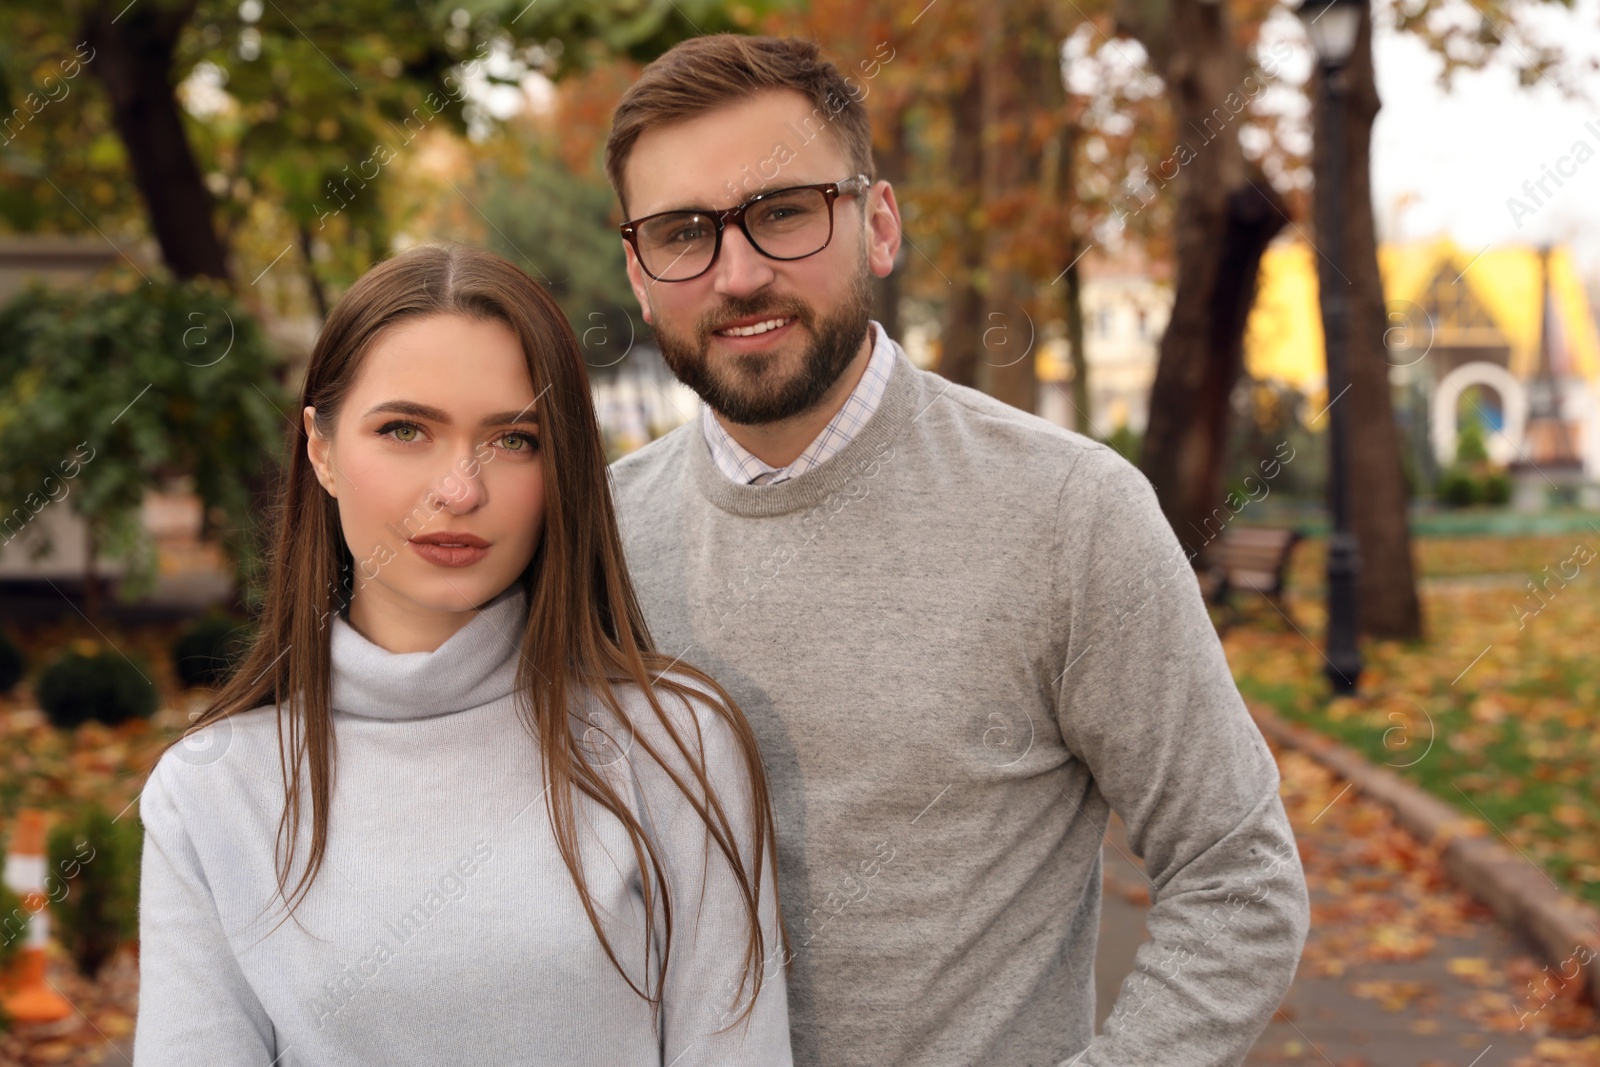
x: 449, y: 556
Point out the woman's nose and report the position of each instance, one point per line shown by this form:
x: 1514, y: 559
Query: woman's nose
x: 462, y: 492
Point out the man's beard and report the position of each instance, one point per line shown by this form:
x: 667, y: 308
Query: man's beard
x: 758, y: 397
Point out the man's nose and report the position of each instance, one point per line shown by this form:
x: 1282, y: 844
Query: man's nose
x: 740, y: 269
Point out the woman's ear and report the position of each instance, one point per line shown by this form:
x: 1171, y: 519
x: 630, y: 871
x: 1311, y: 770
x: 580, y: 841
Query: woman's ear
x: 317, y: 450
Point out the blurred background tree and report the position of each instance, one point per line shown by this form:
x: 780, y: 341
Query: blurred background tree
x: 254, y: 130
x: 108, y: 392
x: 283, y: 148
x: 535, y: 204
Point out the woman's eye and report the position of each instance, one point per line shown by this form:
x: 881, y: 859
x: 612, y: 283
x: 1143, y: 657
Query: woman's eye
x: 525, y: 442
x: 395, y: 429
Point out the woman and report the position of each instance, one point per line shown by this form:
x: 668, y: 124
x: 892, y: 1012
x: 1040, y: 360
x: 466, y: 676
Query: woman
x: 504, y: 832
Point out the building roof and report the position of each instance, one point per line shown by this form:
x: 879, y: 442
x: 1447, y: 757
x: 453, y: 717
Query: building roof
x: 1283, y: 338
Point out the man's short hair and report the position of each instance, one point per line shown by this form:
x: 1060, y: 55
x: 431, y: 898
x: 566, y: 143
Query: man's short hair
x: 704, y: 73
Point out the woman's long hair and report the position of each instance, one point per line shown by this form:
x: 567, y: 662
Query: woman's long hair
x: 584, y: 630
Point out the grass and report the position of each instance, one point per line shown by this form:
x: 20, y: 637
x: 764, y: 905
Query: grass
x: 1454, y: 557
x: 1496, y: 711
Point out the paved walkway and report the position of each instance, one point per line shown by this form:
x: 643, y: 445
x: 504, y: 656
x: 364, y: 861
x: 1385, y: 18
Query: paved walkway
x: 1401, y: 969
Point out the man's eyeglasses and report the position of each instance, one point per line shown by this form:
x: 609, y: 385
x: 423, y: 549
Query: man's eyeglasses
x: 792, y: 223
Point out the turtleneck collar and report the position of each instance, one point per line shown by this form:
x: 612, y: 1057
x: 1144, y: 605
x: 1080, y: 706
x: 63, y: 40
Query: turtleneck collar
x: 476, y: 665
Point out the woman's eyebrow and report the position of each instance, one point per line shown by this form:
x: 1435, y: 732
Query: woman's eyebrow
x: 428, y: 411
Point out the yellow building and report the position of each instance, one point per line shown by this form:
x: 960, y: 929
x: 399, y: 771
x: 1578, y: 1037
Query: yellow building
x: 1458, y: 319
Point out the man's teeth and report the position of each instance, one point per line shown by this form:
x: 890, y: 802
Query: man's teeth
x: 751, y: 331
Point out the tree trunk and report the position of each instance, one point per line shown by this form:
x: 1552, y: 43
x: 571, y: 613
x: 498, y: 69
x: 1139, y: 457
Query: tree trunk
x: 1226, y: 215
x: 1021, y: 80
x: 319, y: 295
x: 1387, y: 587
x: 1083, y: 414
x: 1059, y: 184
x: 133, y: 59
x: 961, y: 336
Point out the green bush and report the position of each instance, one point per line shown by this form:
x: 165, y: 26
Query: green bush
x: 71, y: 360
x: 89, y: 684
x: 1458, y: 488
x: 207, y: 652
x: 1496, y: 488
x: 1463, y: 485
x: 12, y: 664
x: 93, y: 885
x: 1470, y: 444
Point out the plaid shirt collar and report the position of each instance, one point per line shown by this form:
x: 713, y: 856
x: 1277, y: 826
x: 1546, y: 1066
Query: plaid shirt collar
x: 740, y: 466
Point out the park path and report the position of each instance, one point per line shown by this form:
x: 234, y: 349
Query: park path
x: 1401, y: 968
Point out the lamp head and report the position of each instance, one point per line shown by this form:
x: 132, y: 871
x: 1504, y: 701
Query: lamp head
x: 1332, y: 26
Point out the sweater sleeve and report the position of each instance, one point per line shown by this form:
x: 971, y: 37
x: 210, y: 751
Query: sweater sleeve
x: 195, y: 1006
x: 701, y: 992
x: 1146, y: 700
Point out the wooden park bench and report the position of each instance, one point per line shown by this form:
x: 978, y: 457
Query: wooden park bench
x: 1250, y: 558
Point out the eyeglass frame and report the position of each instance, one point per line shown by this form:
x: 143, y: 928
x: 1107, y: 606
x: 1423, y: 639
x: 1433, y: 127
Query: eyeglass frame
x: 856, y: 185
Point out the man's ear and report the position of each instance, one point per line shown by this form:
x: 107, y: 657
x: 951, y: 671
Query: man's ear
x: 638, y: 281
x: 317, y: 450
x: 883, y: 229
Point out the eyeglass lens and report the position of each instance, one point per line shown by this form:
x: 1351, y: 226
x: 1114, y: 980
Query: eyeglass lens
x: 784, y: 225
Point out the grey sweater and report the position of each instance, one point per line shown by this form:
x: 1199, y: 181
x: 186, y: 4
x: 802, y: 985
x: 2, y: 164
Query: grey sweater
x: 443, y: 927
x: 962, y: 641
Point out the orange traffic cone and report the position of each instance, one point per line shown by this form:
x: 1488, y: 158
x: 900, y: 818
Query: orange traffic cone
x: 28, y: 997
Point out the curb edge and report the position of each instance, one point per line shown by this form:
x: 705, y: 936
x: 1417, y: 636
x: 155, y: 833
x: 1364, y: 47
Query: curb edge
x: 1520, y: 893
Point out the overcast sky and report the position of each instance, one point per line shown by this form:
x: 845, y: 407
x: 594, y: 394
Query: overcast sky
x: 1463, y: 154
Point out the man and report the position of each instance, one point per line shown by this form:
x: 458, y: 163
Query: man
x: 962, y: 634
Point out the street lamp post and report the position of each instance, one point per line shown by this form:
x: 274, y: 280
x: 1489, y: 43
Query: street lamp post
x: 1333, y: 26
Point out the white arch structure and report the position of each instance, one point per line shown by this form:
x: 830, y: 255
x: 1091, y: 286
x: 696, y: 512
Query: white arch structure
x: 1502, y: 447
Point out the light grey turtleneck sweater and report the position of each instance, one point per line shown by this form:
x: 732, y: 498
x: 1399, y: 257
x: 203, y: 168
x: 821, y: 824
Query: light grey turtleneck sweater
x: 962, y: 641
x: 443, y: 927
